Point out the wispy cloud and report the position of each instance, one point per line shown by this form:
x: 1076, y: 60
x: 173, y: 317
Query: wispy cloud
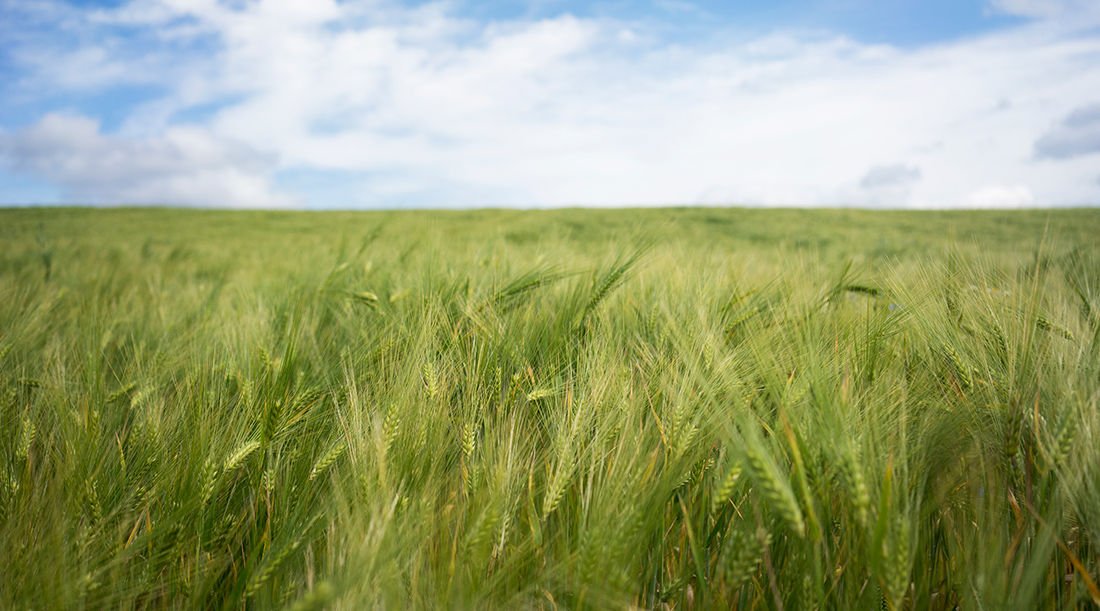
x: 1047, y: 8
x: 1001, y: 196
x: 425, y: 107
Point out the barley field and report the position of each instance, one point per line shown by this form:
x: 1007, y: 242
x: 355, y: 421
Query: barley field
x: 570, y: 409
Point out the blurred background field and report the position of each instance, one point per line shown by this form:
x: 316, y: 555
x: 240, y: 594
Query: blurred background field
x: 645, y: 408
x: 830, y: 234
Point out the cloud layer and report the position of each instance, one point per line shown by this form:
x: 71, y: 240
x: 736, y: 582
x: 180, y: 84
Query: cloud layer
x: 184, y: 165
x: 1077, y: 135
x: 418, y: 106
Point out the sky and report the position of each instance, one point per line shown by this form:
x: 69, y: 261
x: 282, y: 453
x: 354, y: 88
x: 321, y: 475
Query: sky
x: 319, y: 104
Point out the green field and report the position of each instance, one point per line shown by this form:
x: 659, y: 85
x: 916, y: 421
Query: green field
x: 569, y: 409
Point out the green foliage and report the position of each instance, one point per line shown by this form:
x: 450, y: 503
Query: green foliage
x: 698, y: 408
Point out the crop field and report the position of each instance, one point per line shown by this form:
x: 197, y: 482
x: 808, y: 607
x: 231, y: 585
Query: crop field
x: 570, y: 409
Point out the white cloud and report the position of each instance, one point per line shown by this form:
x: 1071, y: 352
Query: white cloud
x: 185, y: 165
x: 433, y: 108
x: 1001, y: 196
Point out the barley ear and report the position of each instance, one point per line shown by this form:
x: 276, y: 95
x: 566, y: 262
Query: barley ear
x: 958, y: 366
x: 741, y: 555
x: 326, y: 460
x: 725, y: 487
x: 209, y: 480
x: 26, y: 440
x: 391, y: 426
x: 269, y: 569
x: 431, y: 380
x: 855, y: 485
x: 897, y: 566
x: 241, y: 454
x: 1046, y: 324
x: 775, y: 486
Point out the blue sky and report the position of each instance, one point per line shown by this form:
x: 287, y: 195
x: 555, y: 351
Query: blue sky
x: 899, y: 22
x: 387, y: 104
